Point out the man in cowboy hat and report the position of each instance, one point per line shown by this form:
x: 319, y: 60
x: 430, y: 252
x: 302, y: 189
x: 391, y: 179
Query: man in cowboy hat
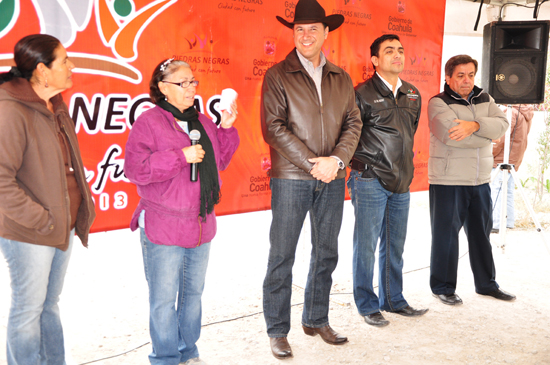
x: 312, y: 125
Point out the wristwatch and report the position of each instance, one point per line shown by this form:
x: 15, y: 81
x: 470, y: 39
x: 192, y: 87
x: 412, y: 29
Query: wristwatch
x: 341, y: 165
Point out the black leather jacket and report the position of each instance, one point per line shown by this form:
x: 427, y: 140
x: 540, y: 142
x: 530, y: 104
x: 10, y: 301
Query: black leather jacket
x: 387, y: 137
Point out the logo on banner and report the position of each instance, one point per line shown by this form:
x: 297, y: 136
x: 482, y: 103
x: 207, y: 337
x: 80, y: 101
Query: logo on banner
x: 401, y: 6
x: 420, y: 70
x: 353, y: 12
x: 266, y: 162
x: 119, y: 25
x: 200, y: 53
x: 197, y: 41
x: 352, y: 2
x: 417, y: 60
x: 270, y: 47
x: 400, y: 25
x: 259, y: 184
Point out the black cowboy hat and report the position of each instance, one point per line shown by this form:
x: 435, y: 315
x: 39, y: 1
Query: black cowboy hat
x: 310, y: 11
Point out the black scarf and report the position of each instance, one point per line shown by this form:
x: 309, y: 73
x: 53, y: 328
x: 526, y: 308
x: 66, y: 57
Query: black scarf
x: 208, y: 170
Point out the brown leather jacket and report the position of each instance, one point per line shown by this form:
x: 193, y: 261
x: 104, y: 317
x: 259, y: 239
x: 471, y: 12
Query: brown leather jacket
x: 521, y: 125
x: 34, y: 199
x: 298, y: 128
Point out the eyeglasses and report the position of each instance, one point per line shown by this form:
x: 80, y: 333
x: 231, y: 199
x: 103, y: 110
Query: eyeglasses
x: 183, y: 84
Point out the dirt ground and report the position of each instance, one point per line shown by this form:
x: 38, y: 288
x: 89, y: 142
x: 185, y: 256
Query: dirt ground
x: 105, y: 309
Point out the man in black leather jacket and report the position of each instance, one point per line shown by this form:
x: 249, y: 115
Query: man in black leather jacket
x: 382, y: 171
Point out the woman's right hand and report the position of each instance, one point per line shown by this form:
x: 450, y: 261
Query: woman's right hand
x: 193, y: 154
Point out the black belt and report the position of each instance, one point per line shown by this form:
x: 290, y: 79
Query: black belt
x: 359, y: 166
x: 362, y: 168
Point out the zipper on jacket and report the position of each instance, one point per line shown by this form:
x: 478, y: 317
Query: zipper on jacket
x: 200, y: 231
x: 477, y: 150
x: 471, y: 105
x: 477, y: 166
x: 322, y: 128
x: 403, y: 150
x: 63, y: 179
x: 85, y: 191
x: 321, y: 107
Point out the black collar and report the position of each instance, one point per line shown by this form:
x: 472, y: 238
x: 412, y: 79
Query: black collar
x: 477, y: 92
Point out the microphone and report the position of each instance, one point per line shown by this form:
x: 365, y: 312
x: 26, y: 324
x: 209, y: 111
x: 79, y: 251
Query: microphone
x: 194, y: 135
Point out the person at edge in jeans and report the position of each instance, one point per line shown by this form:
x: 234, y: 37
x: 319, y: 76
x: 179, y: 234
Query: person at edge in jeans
x: 312, y: 125
x: 463, y: 122
x: 176, y: 215
x: 522, y: 118
x: 382, y: 171
x: 44, y: 196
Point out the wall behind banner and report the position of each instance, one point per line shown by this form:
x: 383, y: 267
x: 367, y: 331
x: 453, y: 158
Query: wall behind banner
x: 115, y: 45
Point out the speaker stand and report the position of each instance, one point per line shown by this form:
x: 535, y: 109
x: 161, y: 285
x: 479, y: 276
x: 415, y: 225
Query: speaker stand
x: 505, y: 168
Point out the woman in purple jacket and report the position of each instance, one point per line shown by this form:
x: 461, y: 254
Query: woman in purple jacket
x: 176, y: 215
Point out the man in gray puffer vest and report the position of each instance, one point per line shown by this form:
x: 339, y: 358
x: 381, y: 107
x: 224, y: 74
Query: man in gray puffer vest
x: 463, y: 122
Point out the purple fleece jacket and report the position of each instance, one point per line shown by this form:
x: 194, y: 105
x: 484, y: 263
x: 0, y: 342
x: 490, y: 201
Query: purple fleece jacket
x: 155, y: 162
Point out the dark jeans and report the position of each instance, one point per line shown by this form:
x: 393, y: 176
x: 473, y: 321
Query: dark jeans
x: 290, y: 202
x: 452, y: 207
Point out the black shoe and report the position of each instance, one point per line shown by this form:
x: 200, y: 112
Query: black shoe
x: 495, y: 230
x: 500, y: 294
x: 376, y: 319
x: 409, y: 311
x: 450, y: 299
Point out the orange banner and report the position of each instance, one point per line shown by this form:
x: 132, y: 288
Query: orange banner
x: 115, y: 44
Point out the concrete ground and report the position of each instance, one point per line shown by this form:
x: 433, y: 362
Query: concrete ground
x: 105, y: 308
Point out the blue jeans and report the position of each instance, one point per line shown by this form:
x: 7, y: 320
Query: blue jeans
x: 37, y: 273
x: 291, y: 200
x: 175, y: 276
x: 496, y: 196
x: 378, y: 214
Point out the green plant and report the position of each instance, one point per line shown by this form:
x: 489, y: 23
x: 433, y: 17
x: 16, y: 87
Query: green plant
x: 523, y: 182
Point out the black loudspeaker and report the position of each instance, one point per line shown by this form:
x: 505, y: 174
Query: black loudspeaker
x: 514, y: 61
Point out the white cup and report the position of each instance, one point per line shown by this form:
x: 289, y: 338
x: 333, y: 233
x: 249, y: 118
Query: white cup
x: 228, y: 97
